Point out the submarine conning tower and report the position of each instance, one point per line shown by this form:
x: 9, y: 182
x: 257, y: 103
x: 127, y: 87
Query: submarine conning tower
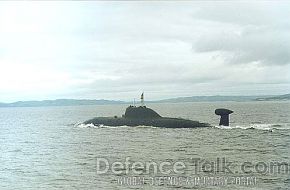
x: 224, y: 113
x: 140, y: 112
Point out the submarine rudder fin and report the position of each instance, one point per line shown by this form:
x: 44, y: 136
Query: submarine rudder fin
x: 225, y: 116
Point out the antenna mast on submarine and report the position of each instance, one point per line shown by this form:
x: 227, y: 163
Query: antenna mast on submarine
x: 142, y: 99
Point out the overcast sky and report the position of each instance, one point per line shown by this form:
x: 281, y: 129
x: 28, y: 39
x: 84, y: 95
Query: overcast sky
x: 116, y: 50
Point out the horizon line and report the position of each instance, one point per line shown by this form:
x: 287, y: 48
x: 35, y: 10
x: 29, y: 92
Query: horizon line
x: 124, y: 101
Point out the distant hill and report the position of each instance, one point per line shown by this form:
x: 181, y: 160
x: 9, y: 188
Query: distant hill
x: 274, y: 98
x: 76, y: 102
x: 59, y: 102
x: 211, y: 99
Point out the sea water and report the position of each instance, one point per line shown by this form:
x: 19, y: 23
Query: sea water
x: 49, y: 148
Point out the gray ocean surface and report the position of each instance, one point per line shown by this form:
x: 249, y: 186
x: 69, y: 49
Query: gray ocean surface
x: 47, y: 148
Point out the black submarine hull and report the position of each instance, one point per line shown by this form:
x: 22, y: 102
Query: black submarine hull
x: 164, y: 122
x: 143, y: 116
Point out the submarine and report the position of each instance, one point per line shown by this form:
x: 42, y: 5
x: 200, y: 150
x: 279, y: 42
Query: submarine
x: 144, y: 116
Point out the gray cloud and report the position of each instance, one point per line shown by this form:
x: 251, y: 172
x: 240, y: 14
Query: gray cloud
x: 258, y: 45
x: 251, y: 32
x: 118, y: 49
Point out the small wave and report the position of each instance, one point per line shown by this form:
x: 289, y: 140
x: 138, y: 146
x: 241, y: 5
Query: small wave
x: 146, y: 126
x: 91, y: 125
x: 82, y: 125
x: 265, y: 127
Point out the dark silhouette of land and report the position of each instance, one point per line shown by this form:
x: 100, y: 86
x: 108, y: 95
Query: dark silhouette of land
x: 59, y: 102
x: 79, y: 102
x: 284, y: 97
